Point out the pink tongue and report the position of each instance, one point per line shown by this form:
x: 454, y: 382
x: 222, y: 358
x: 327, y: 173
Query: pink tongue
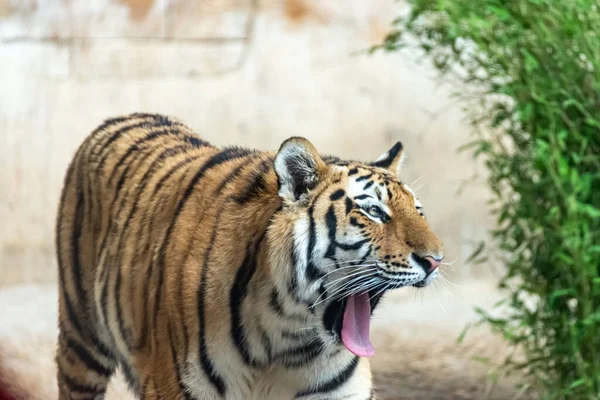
x: 356, y: 324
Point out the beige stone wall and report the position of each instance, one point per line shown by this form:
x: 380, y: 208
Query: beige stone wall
x: 243, y: 72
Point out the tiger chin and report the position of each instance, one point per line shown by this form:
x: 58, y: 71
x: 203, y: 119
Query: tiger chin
x: 228, y: 273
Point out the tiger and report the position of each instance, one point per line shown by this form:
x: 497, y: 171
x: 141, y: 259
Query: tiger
x: 213, y: 273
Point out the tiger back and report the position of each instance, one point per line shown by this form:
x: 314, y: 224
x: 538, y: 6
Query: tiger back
x: 207, y: 273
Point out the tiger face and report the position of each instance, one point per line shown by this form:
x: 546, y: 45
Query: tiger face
x: 359, y: 233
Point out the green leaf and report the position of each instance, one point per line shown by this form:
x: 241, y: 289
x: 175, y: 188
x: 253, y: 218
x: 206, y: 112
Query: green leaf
x: 577, y: 383
x: 592, y: 319
x: 482, y: 360
x: 463, y: 333
x: 531, y: 63
x: 478, y: 250
x: 558, y: 294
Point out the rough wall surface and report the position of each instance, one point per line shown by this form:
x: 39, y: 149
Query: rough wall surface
x: 239, y: 72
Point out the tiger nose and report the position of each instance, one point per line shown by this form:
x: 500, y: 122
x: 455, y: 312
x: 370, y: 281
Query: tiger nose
x: 428, y: 263
x: 434, y: 264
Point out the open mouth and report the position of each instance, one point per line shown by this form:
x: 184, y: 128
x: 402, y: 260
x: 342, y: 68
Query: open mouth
x: 350, y: 319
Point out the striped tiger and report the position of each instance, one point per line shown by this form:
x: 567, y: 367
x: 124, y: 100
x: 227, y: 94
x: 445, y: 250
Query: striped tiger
x: 228, y: 273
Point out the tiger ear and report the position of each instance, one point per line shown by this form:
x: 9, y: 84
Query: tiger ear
x: 299, y: 168
x: 392, y: 160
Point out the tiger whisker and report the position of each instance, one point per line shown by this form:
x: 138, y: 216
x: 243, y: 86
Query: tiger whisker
x: 445, y: 278
x: 350, y: 282
x: 450, y: 263
x: 349, y: 261
x: 362, y: 288
x: 438, y: 301
x: 354, y: 281
x: 332, y: 283
x: 370, y: 284
x: 340, y: 289
x: 385, y: 287
x: 417, y: 180
x: 339, y: 269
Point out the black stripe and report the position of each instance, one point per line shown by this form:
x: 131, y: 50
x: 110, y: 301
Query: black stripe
x: 89, y: 188
x: 353, y: 171
x: 113, y: 220
x: 130, y: 377
x: 364, y: 177
x: 338, y: 194
x: 349, y: 205
x: 368, y: 185
x: 354, y: 222
x: 352, y: 246
x: 205, y: 361
x: 108, y: 122
x: 72, y: 316
x: 61, y: 267
x: 217, y: 159
x: 136, y: 147
x: 182, y: 387
x: 277, y: 306
x: 196, y: 141
x: 312, y: 272
x: 105, y: 281
x: 102, y: 151
x: 296, y: 357
x: 233, y: 175
x: 330, y: 253
x: 75, y: 248
x: 86, y: 358
x: 119, y: 308
x: 363, y: 196
x: 334, y: 383
x: 293, y: 284
x: 104, y: 127
x: 238, y: 293
x: 150, y: 121
x: 257, y: 183
x: 331, y: 221
x: 329, y: 159
x: 81, y: 388
x: 175, y: 168
x: 367, y: 254
x: 302, y: 334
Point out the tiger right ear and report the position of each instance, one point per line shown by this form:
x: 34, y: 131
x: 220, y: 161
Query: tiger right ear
x: 391, y: 160
x: 299, y: 168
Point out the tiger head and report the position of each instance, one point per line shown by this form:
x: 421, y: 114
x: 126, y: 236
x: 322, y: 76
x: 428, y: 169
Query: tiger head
x: 354, y: 231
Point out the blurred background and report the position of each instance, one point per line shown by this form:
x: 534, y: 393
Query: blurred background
x: 251, y: 73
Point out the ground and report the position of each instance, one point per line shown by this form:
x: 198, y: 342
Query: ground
x: 415, y: 336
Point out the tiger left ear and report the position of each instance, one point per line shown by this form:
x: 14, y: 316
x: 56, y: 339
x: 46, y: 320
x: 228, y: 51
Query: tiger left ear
x: 299, y: 168
x: 391, y: 160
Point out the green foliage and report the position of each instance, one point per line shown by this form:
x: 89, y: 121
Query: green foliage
x: 530, y: 73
